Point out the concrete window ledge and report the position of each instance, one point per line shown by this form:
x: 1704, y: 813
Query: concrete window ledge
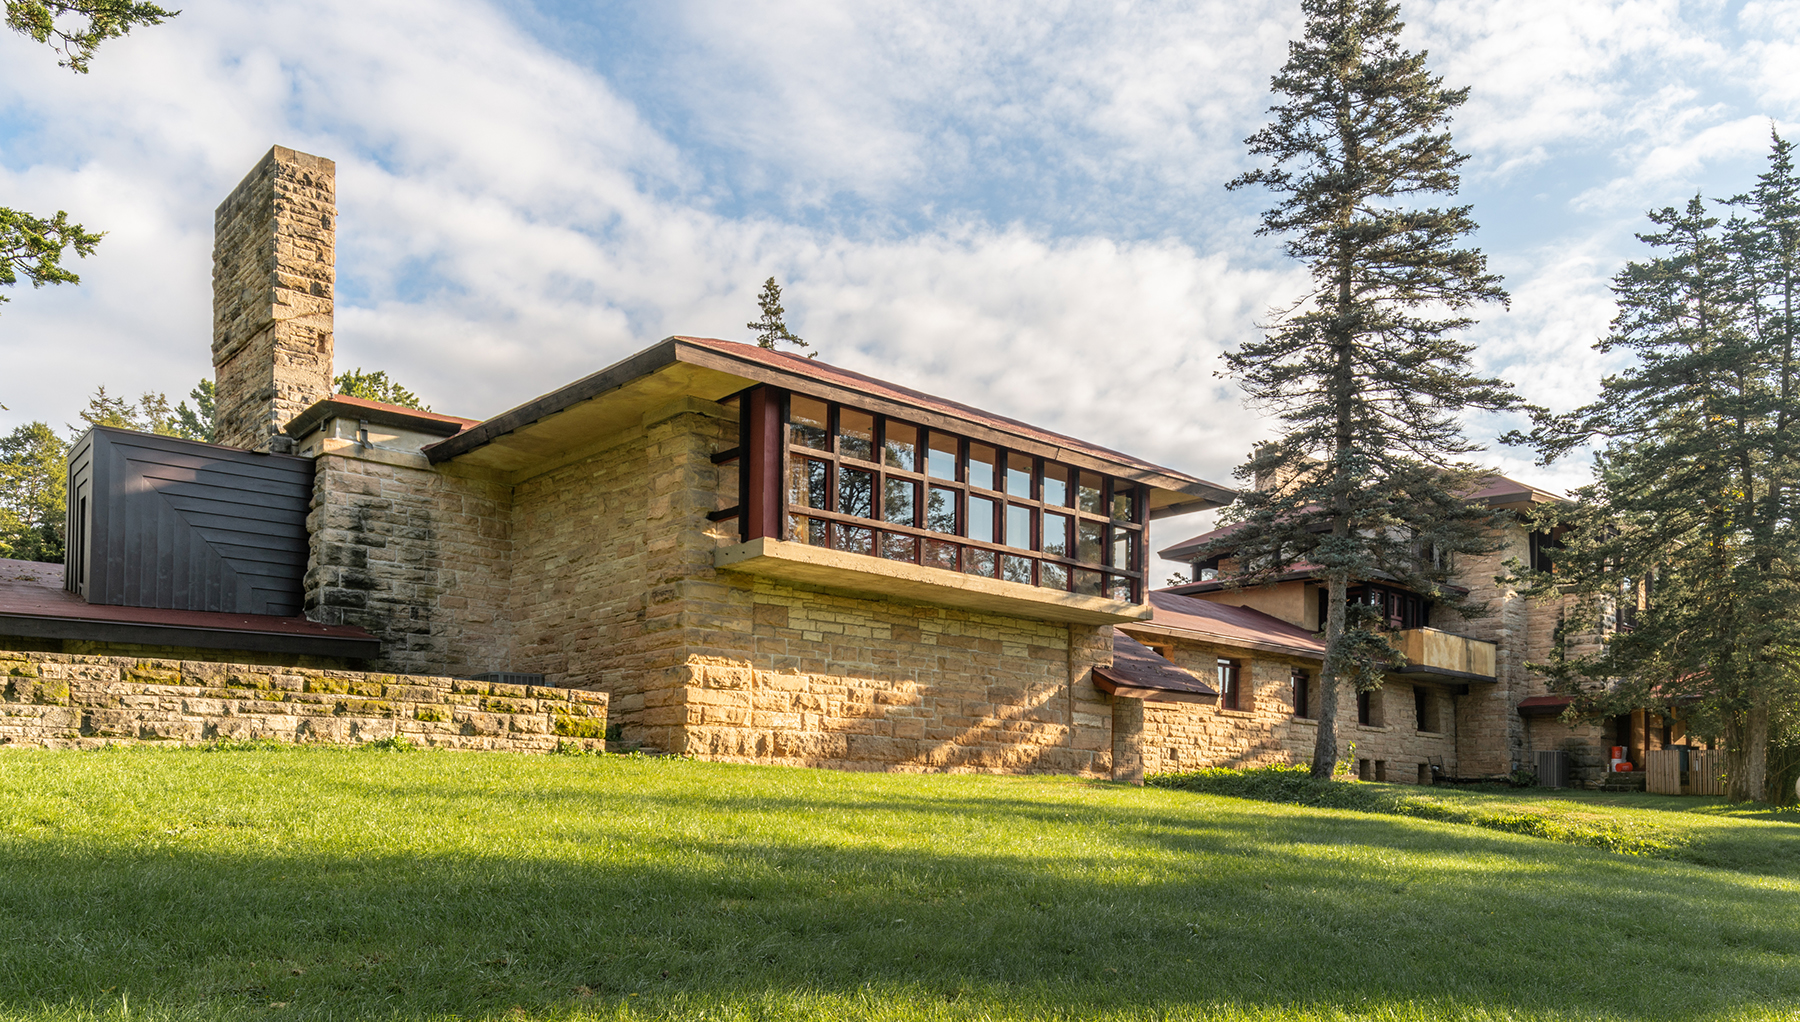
x: 902, y: 580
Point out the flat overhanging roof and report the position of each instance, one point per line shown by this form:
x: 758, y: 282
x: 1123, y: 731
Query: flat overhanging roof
x: 536, y: 434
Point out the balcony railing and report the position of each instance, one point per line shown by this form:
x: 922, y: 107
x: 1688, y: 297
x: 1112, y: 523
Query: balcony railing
x: 1429, y: 650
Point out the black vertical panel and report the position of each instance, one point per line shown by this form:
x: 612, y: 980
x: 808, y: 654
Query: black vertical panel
x: 184, y: 525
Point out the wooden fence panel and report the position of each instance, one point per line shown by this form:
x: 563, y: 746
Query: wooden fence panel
x: 1706, y: 772
x: 1662, y: 772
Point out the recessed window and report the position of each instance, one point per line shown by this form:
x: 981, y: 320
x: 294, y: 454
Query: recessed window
x: 861, y: 482
x: 1230, y: 686
x: 981, y: 466
x: 1423, y: 710
x: 1365, y: 708
x: 856, y: 434
x: 1302, y: 694
x: 900, y: 446
x: 1056, y: 485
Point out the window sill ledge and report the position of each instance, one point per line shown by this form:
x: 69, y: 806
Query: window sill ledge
x: 1246, y: 714
x: 1374, y: 727
x: 874, y: 576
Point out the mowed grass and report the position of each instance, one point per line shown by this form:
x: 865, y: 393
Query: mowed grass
x: 320, y: 883
x: 1707, y: 831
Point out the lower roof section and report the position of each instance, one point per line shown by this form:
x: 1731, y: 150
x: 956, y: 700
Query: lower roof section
x: 914, y: 583
x: 34, y: 605
x: 1139, y: 672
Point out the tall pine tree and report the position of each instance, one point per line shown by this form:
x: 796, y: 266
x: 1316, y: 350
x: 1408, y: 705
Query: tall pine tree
x: 1690, y: 527
x: 771, y: 326
x: 1365, y: 370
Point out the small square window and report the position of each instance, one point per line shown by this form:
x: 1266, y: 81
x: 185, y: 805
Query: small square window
x: 900, y: 446
x: 1056, y: 484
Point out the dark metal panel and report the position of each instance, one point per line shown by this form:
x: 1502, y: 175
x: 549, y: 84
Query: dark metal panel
x: 183, y: 525
x: 182, y: 636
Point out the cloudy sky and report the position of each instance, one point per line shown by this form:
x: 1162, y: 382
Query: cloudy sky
x: 1015, y: 204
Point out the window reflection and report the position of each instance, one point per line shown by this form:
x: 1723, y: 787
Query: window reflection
x: 1016, y: 569
x: 810, y: 531
x: 1018, y: 526
x: 1118, y: 588
x: 856, y: 492
x: 853, y: 539
x: 1087, y: 583
x: 856, y: 434
x: 981, y: 519
x: 1088, y: 494
x: 1018, y: 475
x: 1053, y: 576
x: 1122, y: 509
x: 1121, y: 549
x: 899, y: 548
x: 1088, y: 545
x: 806, y: 483
x: 981, y: 466
x: 1056, y: 485
x: 939, y: 554
x: 1056, y: 534
x: 941, y: 459
x: 940, y: 513
x: 806, y: 421
x: 898, y: 500
x: 900, y: 446
x: 978, y: 562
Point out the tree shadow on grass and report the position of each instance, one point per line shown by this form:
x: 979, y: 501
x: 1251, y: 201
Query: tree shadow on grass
x: 1130, y: 911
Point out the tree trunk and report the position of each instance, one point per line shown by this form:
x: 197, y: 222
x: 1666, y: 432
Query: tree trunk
x: 1756, y: 751
x: 1324, y: 760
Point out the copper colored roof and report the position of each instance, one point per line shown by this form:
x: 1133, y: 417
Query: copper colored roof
x: 1544, y: 706
x: 343, y: 406
x: 1184, y: 617
x: 34, y: 604
x: 1139, y: 672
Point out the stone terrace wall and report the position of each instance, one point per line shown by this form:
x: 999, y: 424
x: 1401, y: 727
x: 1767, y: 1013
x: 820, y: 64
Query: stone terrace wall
x: 64, y: 701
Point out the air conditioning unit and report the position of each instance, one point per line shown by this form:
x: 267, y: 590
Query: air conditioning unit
x: 1553, y: 769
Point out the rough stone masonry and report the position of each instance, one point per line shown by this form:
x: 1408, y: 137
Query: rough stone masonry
x: 273, y: 270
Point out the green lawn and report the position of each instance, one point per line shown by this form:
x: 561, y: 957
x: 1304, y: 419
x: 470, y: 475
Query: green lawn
x: 361, y: 884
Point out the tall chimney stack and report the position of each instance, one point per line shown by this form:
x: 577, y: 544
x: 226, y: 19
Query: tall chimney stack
x: 274, y: 242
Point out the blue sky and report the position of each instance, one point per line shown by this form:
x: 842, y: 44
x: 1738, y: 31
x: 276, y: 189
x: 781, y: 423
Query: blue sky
x: 1020, y: 205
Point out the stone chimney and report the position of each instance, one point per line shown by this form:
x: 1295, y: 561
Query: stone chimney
x: 273, y: 271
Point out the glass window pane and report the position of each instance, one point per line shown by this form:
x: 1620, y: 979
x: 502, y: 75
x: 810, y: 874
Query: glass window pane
x: 806, y: 422
x: 1053, y: 576
x: 940, y: 554
x: 900, y: 446
x: 806, y: 483
x: 1088, y: 495
x: 940, y: 514
x: 1016, y: 569
x: 1056, y: 484
x: 1123, y: 502
x: 941, y: 459
x: 853, y: 539
x: 856, y: 434
x: 1018, y: 475
x: 1018, y: 526
x: 1089, y: 545
x: 981, y: 519
x: 1056, y: 534
x: 810, y: 531
x: 1087, y: 583
x: 981, y: 466
x: 978, y: 562
x: 856, y: 492
x: 1122, y: 549
x: 899, y: 499
x: 1118, y: 588
x: 895, y: 547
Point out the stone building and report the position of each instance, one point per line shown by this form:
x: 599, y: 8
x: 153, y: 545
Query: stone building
x: 740, y: 554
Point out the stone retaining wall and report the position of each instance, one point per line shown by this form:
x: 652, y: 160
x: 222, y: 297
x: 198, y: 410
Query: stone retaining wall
x: 58, y: 700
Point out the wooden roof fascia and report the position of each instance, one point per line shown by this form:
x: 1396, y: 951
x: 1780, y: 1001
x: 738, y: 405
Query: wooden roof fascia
x: 1152, y: 628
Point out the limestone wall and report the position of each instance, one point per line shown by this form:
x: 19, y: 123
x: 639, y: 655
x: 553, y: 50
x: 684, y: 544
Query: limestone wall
x: 1188, y: 736
x: 273, y: 273
x: 419, y: 557
x: 63, y: 701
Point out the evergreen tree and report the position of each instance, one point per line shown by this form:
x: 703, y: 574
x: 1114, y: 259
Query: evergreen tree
x: 376, y: 386
x: 1690, y: 526
x: 1364, y: 371
x: 30, y: 244
x: 33, y: 469
x: 771, y: 328
x: 196, y: 423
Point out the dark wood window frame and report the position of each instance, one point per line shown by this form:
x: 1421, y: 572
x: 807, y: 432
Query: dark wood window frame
x: 1301, y: 680
x: 1231, y: 684
x: 766, y: 410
